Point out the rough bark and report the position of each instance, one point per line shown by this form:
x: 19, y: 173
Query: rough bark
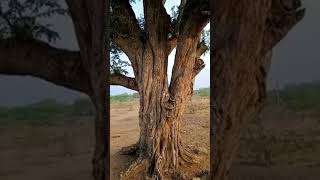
x: 161, y: 155
x: 38, y: 59
x: 160, y: 151
x: 90, y: 27
x: 245, y: 33
x: 59, y: 66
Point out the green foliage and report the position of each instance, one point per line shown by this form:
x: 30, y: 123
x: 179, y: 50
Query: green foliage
x: 122, y: 98
x: 83, y: 107
x: 21, y: 19
x: 47, y: 111
x: 304, y: 96
x: 203, y: 92
x: 41, y: 110
x: 117, y: 65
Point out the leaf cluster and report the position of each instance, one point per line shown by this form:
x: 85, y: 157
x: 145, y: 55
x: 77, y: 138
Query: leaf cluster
x: 21, y: 19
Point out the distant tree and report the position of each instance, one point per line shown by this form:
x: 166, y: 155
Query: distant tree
x: 24, y: 50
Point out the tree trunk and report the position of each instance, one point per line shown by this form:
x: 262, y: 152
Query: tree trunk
x: 89, y: 19
x: 233, y: 107
x: 101, y: 155
x: 161, y: 154
x: 245, y: 33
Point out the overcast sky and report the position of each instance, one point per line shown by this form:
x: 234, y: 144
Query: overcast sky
x: 296, y: 59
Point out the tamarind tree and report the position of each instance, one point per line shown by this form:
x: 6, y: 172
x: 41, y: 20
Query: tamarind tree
x: 147, y: 42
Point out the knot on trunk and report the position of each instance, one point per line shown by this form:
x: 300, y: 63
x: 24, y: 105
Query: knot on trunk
x: 198, y: 66
x: 169, y: 103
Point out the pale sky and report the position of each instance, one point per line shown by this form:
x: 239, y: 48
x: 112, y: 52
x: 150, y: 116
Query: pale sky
x: 203, y: 78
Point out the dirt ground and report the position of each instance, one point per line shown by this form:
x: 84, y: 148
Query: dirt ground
x: 283, y: 145
x: 125, y: 131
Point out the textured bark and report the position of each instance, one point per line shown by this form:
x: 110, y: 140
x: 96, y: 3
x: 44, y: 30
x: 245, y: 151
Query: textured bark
x: 245, y: 33
x: 38, y: 59
x: 59, y: 66
x: 161, y: 155
x: 90, y: 27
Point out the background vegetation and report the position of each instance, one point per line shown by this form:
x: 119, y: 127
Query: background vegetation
x: 297, y: 97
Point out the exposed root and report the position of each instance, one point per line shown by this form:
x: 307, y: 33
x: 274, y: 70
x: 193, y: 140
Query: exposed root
x: 137, y: 170
x: 188, y: 156
x: 129, y: 150
x: 188, y: 166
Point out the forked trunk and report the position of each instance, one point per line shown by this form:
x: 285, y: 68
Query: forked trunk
x: 161, y: 154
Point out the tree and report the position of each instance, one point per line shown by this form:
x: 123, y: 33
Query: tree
x: 23, y: 52
x: 245, y: 33
x: 147, y: 42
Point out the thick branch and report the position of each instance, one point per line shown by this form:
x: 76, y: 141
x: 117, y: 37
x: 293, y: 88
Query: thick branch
x: 194, y: 18
x: 121, y: 80
x: 193, y: 21
x: 284, y: 14
x: 126, y: 32
x: 181, y: 10
x: 202, y: 48
x: 38, y: 59
x: 157, y: 22
x: 198, y: 66
x: 88, y: 19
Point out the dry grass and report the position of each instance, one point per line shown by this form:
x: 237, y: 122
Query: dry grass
x: 283, y: 145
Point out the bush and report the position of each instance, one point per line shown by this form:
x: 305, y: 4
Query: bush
x: 83, y: 107
x: 203, y: 92
x: 304, y: 96
x: 122, y: 98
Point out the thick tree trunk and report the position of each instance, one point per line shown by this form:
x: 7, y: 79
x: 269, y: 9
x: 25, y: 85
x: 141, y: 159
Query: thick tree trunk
x: 101, y: 154
x: 160, y: 154
x: 245, y: 33
x: 234, y: 105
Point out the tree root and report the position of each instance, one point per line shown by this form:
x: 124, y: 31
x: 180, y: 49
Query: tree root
x: 129, y: 150
x: 137, y: 170
x: 189, y: 166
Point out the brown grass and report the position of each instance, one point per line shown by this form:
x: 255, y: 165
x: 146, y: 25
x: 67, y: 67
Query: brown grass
x: 282, y: 145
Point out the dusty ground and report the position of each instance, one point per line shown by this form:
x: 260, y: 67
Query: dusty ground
x: 125, y: 130
x: 47, y: 153
x: 283, y: 145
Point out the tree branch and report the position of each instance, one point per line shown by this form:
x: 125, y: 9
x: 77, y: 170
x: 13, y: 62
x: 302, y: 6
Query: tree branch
x: 87, y: 16
x: 38, y: 59
x: 122, y: 80
x: 157, y: 22
x: 202, y: 48
x: 195, y: 17
x: 284, y: 14
x: 126, y: 32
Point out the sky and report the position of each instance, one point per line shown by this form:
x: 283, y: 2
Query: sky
x: 295, y: 60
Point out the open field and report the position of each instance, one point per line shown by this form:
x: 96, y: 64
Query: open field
x: 283, y: 143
